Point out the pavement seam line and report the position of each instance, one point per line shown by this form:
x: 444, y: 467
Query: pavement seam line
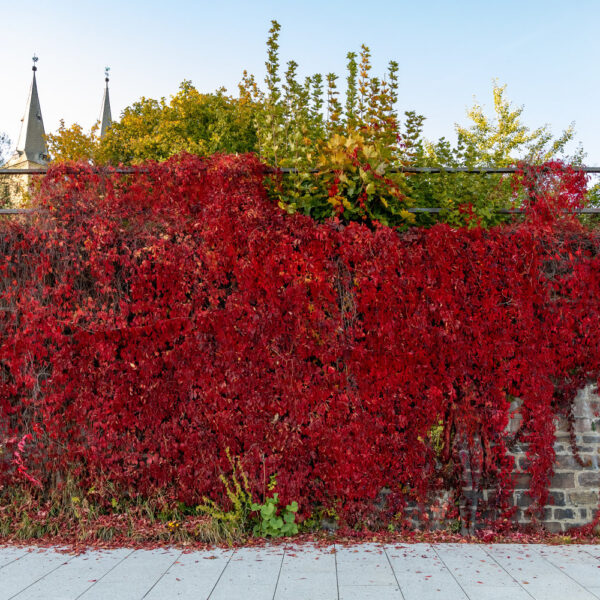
x: 279, y: 572
x: 451, y: 573
x: 10, y: 562
x: 593, y: 556
x: 393, y: 572
x: 40, y: 578
x: 164, y: 573
x: 104, y: 575
x: 220, y: 575
x: 337, y: 579
x: 564, y: 572
x: 506, y: 571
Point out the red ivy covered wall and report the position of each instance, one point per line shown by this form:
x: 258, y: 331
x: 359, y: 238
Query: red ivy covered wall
x: 150, y: 322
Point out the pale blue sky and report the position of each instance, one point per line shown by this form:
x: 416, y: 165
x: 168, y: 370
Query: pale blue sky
x: 545, y: 50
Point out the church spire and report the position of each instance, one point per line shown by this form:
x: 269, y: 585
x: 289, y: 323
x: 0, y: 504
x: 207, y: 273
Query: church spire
x: 105, y: 116
x: 31, y: 146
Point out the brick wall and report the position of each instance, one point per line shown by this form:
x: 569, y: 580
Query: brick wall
x: 575, y: 488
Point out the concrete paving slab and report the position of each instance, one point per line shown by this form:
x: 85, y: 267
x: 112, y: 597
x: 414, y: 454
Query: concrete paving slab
x: 370, y: 592
x: 367, y: 567
x: 348, y: 552
x: 390, y: 572
x: 233, y: 591
x: 74, y: 578
x: 27, y: 570
x: 192, y: 576
x: 541, y: 579
x: 133, y: 577
x: 308, y: 574
x: 592, y: 550
x: 8, y: 555
x: 476, y: 572
x: 421, y: 574
x: 489, y: 592
x: 574, y: 562
x: 252, y: 574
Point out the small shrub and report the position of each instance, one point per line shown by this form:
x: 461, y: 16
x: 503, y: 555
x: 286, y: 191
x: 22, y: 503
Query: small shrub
x: 272, y: 522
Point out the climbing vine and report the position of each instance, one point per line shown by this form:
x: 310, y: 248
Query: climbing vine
x: 150, y: 322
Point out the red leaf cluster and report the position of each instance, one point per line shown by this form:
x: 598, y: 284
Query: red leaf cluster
x: 150, y: 322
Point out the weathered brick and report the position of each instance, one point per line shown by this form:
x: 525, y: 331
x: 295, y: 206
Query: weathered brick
x: 563, y: 480
x: 591, y: 438
x: 557, y: 498
x: 583, y: 425
x: 514, y: 423
x: 583, y: 498
x: 524, y: 517
x: 524, y: 463
x: 565, y: 461
x: 522, y: 500
x: 589, y: 479
x: 583, y: 514
x: 563, y: 513
x: 561, y: 424
x: 554, y: 526
x: 522, y: 481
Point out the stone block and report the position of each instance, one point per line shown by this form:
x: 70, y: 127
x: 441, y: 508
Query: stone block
x: 524, y: 463
x: 592, y: 438
x: 563, y: 513
x: 514, y: 423
x: 565, y: 461
x: 583, y: 498
x: 522, y: 500
x: 522, y: 515
x: 589, y: 479
x: 583, y: 425
x: 563, y: 481
x: 561, y: 424
x: 522, y: 481
x: 555, y: 498
x: 554, y: 526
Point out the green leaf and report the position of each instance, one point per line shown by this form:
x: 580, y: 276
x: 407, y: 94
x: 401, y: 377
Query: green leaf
x: 277, y: 522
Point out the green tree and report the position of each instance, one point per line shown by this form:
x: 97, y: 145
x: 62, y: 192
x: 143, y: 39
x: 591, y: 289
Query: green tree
x: 157, y: 129
x: 190, y: 122
x: 498, y: 139
x: 73, y: 143
x: 305, y: 125
x: 503, y: 139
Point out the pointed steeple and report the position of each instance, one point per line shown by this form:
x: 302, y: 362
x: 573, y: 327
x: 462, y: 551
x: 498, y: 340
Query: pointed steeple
x: 31, y: 146
x: 105, y: 116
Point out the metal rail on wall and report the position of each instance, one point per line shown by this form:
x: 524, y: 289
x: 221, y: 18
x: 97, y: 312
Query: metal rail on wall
x: 292, y: 171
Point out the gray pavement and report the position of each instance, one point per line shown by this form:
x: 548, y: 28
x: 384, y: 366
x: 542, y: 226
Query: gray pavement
x: 291, y: 572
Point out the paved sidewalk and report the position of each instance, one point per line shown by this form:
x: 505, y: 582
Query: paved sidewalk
x: 361, y: 572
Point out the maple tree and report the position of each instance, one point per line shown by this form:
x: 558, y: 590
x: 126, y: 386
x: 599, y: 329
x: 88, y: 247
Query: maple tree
x: 154, y: 324
x: 189, y: 122
x: 73, y: 143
